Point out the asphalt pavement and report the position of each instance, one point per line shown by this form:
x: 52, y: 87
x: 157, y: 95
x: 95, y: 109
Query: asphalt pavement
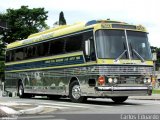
x: 152, y: 97
x: 14, y: 108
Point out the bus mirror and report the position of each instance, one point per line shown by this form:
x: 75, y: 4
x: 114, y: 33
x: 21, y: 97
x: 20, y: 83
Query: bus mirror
x: 87, y: 47
x: 154, y: 56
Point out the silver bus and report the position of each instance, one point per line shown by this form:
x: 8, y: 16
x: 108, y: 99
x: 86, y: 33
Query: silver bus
x: 99, y: 58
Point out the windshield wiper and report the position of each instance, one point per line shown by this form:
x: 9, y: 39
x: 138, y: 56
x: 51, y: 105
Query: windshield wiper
x: 138, y: 55
x: 121, y: 55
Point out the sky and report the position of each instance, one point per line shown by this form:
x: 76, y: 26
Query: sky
x: 144, y: 12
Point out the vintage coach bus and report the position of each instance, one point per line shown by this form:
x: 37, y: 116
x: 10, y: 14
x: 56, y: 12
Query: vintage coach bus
x: 99, y: 58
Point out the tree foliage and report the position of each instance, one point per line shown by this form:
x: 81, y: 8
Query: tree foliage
x: 157, y: 51
x: 20, y: 24
x: 158, y: 55
x: 23, y: 22
x: 2, y: 49
x: 62, y: 20
x: 2, y: 52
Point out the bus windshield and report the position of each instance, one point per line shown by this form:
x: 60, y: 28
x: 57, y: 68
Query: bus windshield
x: 138, y: 43
x: 110, y: 43
x: 113, y: 44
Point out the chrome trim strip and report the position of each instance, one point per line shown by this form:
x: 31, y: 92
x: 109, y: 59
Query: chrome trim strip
x: 122, y: 88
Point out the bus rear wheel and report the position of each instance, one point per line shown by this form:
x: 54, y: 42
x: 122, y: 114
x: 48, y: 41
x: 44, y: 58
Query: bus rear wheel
x: 119, y: 99
x: 21, y: 90
x: 21, y: 93
x: 75, y: 93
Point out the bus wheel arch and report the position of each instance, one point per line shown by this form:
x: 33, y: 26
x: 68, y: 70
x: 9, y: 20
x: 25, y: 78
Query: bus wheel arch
x: 73, y: 79
x: 75, y: 91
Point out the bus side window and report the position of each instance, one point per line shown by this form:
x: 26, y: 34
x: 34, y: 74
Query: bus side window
x: 56, y: 47
x: 8, y: 56
x: 25, y: 53
x: 19, y: 54
x: 12, y: 55
x: 40, y: 49
x: 74, y: 43
x: 29, y: 52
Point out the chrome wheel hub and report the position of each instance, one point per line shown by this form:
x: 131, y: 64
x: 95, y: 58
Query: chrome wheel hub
x: 76, y: 92
x: 20, y: 90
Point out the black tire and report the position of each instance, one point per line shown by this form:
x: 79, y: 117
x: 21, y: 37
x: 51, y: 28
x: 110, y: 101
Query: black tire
x: 76, y: 96
x: 119, y: 99
x: 21, y: 90
x: 54, y: 97
x: 21, y: 93
x: 10, y: 94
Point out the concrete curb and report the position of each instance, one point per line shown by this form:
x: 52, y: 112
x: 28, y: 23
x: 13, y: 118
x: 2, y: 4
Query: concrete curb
x: 9, y: 110
x: 33, y: 110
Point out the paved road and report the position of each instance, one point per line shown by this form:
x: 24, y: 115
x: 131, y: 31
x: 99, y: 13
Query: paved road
x: 95, y: 108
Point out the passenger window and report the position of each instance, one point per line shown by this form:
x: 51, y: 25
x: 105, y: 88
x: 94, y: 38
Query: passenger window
x: 18, y: 54
x: 9, y: 56
x: 42, y: 49
x: 56, y: 47
x: 74, y: 43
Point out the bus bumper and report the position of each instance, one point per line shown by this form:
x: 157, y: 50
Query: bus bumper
x: 123, y: 91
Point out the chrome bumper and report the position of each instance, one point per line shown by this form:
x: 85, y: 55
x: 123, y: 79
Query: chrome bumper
x: 123, y: 88
x: 124, y: 91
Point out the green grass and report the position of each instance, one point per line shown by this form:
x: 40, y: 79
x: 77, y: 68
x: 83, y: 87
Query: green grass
x: 156, y: 91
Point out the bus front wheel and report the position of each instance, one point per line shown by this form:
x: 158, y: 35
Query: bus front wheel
x: 119, y: 99
x: 75, y: 93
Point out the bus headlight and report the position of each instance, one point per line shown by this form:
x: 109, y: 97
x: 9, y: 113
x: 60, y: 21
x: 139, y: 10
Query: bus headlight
x: 115, y: 80
x: 110, y: 80
x: 149, y: 80
x: 145, y: 80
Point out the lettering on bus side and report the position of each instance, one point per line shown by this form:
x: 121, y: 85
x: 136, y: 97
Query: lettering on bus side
x: 73, y: 58
x: 36, y: 39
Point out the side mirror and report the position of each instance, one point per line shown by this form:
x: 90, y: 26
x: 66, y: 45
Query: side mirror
x: 87, y: 47
x: 154, y: 56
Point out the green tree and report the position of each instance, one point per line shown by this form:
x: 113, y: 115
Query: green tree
x: 2, y: 54
x: 158, y: 56
x: 156, y: 50
x: 62, y: 20
x: 2, y: 47
x: 18, y: 24
x: 23, y: 22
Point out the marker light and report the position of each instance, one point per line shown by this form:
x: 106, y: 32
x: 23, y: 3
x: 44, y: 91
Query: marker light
x: 101, y: 80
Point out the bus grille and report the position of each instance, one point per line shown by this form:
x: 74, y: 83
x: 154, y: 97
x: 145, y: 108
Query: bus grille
x: 121, y: 70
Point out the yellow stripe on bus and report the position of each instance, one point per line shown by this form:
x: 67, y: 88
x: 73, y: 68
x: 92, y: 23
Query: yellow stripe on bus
x: 124, y: 61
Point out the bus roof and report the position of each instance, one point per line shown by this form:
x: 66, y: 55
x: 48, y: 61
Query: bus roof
x: 67, y: 29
